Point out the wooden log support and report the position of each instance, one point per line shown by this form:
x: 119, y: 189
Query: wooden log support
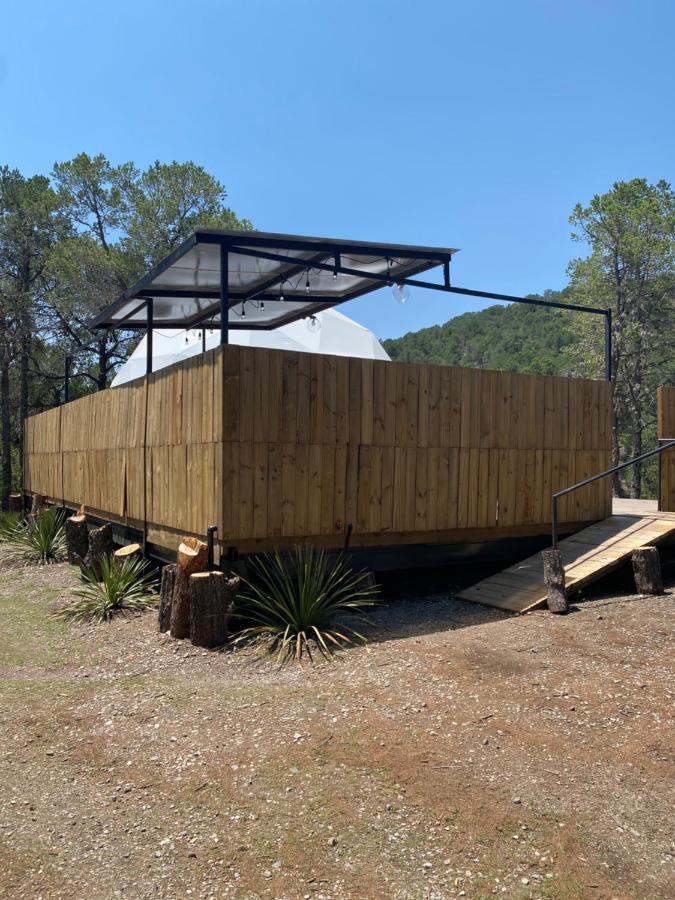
x: 77, y: 538
x: 129, y: 551
x: 100, y: 545
x: 166, y: 596
x: 554, y: 578
x: 192, y: 557
x: 210, y: 602
x: 38, y: 503
x: 647, y: 570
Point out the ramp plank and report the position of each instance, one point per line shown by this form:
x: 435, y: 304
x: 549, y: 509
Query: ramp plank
x: 587, y: 555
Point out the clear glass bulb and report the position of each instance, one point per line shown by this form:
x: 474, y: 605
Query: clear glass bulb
x: 313, y: 324
x: 400, y: 292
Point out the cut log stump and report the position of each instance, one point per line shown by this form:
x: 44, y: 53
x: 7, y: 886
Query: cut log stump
x: 210, y: 603
x: 129, y: 551
x: 77, y: 539
x: 166, y: 596
x: 37, y: 504
x: 100, y: 545
x: 15, y: 503
x: 192, y: 557
x: 647, y: 570
x: 554, y: 578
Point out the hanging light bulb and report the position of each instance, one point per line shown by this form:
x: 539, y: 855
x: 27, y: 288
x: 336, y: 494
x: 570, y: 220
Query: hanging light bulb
x: 186, y: 338
x: 307, y: 282
x: 400, y: 292
x: 388, y: 271
x: 262, y: 306
x: 243, y: 311
x: 313, y: 324
x: 281, y: 292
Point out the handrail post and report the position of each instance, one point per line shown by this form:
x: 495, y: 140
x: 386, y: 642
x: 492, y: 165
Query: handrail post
x: 554, y: 522
x: 608, y: 344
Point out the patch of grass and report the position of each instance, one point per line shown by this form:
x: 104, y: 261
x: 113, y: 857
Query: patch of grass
x: 9, y: 522
x: 38, y: 540
x: 293, y: 603
x: 30, y: 635
x: 112, y: 587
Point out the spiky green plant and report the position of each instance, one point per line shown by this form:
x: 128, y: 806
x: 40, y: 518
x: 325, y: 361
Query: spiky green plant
x: 9, y: 522
x: 38, y: 540
x: 111, y: 587
x: 295, y: 602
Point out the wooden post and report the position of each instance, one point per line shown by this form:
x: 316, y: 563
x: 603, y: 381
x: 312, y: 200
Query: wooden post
x: 209, y: 609
x: 166, y: 596
x: 77, y: 538
x: 100, y: 545
x: 647, y: 570
x: 192, y: 557
x: 554, y: 578
x: 129, y: 551
x: 37, y: 504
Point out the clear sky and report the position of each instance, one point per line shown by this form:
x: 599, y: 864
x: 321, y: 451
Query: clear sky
x: 475, y: 125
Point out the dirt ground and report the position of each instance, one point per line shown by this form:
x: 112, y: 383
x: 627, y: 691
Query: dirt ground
x: 465, y: 753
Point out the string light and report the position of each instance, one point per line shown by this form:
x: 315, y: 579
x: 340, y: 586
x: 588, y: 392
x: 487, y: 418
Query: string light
x: 243, y: 311
x: 262, y: 306
x: 307, y: 282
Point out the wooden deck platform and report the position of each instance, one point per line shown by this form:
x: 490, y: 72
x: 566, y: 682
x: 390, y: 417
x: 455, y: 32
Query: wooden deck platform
x: 587, y: 555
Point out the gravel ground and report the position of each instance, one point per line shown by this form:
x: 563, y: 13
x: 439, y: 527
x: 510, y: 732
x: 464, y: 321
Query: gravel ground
x: 464, y: 753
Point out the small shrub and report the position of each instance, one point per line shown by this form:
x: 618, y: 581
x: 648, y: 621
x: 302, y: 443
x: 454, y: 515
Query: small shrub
x: 111, y: 587
x: 295, y: 601
x: 9, y: 522
x: 38, y: 540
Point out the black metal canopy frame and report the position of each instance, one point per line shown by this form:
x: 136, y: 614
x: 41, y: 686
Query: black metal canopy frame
x: 260, y: 281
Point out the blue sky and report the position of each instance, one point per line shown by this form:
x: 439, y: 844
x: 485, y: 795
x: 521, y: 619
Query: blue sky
x: 470, y: 125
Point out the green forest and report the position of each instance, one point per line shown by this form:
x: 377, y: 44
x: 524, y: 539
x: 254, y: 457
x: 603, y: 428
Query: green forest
x: 74, y: 239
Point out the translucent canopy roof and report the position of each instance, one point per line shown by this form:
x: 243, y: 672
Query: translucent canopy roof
x: 268, y: 280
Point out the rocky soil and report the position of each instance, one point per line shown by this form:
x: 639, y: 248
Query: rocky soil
x: 466, y: 753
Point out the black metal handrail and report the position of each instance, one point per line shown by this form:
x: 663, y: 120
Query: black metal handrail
x: 670, y: 442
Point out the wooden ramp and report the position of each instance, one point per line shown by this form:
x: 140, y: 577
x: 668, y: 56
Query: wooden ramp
x: 587, y: 555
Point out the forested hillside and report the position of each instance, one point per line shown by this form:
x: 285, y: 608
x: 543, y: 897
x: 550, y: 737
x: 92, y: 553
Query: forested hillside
x: 515, y: 338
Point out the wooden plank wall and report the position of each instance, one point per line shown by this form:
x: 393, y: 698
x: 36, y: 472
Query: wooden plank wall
x: 274, y: 445
x: 150, y: 450
x: 315, y: 442
x: 665, y: 403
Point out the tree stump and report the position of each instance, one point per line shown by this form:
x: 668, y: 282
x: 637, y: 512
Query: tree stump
x: 166, y: 596
x: 129, y: 551
x: 647, y: 570
x: 192, y: 557
x: 37, y: 504
x: 100, y: 545
x: 554, y: 578
x: 77, y: 539
x: 210, y: 601
x: 15, y: 502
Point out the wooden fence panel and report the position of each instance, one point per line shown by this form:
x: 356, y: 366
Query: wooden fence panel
x: 666, y: 429
x: 274, y: 446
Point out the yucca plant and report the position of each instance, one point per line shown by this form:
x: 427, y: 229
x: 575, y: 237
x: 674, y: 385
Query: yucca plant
x: 9, y: 522
x: 38, y: 540
x: 295, y: 602
x: 111, y: 587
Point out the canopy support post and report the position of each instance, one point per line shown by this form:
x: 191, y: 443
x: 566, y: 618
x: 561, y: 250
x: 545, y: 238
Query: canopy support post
x: 224, y: 294
x: 149, y: 313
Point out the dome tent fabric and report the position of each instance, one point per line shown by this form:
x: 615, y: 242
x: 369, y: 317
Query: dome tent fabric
x: 337, y: 336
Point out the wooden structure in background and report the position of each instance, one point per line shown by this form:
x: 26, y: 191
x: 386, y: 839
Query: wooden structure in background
x: 665, y: 403
x: 275, y: 446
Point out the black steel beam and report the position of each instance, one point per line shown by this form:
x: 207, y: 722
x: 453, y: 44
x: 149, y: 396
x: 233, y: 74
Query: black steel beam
x: 224, y: 293
x: 320, y: 245
x: 149, y: 326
